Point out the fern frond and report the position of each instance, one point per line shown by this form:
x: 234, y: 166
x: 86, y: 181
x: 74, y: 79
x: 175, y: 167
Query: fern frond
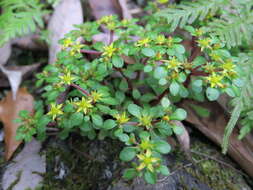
x: 231, y: 124
x: 243, y: 105
x: 232, y: 29
x: 19, y: 17
x: 188, y: 12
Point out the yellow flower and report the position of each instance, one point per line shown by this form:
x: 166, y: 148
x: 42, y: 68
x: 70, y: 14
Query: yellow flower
x: 170, y: 41
x: 96, y: 96
x: 143, y: 42
x: 216, y: 46
x: 76, y: 49
x: 173, y: 64
x: 146, y: 144
x: 67, y: 78
x: 204, y: 43
x: 160, y: 39
x: 67, y: 43
x: 146, y: 121
x: 122, y: 118
x: 215, y: 57
x: 163, y: 1
x: 209, y: 68
x: 125, y: 22
x: 199, y: 32
x: 228, y: 68
x: 84, y: 105
x: 215, y: 80
x: 55, y: 110
x: 228, y: 65
x: 106, y: 19
x: 166, y: 118
x: 147, y: 161
x: 109, y: 51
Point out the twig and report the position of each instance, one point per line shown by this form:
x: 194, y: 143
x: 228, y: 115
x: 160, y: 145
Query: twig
x: 111, y: 36
x: 80, y: 89
x: 130, y: 85
x: 92, y: 52
x: 158, y: 99
x: 217, y: 160
x: 180, y: 168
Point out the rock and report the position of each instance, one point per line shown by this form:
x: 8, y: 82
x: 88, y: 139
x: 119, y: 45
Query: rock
x: 26, y: 168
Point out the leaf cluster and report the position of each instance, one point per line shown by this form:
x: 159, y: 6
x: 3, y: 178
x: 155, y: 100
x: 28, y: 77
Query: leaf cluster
x: 126, y: 88
x: 20, y: 17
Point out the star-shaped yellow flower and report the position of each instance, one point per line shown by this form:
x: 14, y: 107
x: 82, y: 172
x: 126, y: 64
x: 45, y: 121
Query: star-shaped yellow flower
x: 96, y: 96
x: 143, y: 42
x: 215, y: 80
x: 55, y: 110
x: 84, y: 105
x: 147, y: 161
x: 122, y: 118
x: 67, y: 78
x: 109, y: 51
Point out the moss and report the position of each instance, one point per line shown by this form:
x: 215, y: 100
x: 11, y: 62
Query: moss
x: 86, y: 164
x: 15, y: 182
x: 212, y: 173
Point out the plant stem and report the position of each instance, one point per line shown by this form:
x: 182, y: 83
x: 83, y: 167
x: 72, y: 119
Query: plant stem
x: 80, y: 89
x: 157, y: 101
x: 91, y: 52
x: 111, y: 36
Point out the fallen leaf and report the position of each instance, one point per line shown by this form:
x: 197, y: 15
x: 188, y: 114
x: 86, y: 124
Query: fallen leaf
x: 105, y: 7
x: 14, y: 78
x: 30, y: 42
x: 66, y: 14
x: 213, y: 128
x: 28, y: 164
x: 5, y: 52
x: 124, y: 8
x: 9, y: 110
x: 26, y: 71
x: 184, y: 138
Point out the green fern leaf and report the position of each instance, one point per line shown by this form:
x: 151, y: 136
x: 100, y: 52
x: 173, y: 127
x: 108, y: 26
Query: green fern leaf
x: 19, y: 17
x: 188, y: 12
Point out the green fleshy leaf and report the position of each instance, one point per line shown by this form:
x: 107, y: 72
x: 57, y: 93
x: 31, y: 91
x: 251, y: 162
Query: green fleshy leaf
x: 130, y: 173
x: 127, y: 154
x: 160, y: 72
x: 212, y: 94
x: 180, y: 114
x: 134, y: 110
x: 117, y: 61
x: 174, y: 88
x: 150, y: 177
x: 165, y: 102
x: 162, y: 147
x: 97, y: 120
x: 148, y: 52
x: 109, y: 124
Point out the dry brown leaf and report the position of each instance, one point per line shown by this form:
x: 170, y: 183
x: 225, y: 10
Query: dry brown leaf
x: 26, y: 71
x: 213, y: 127
x: 14, y: 78
x: 30, y: 42
x: 105, y: 7
x: 9, y: 110
x: 5, y: 52
x: 184, y: 138
x: 66, y: 14
x: 125, y: 11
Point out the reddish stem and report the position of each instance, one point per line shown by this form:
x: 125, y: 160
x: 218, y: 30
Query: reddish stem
x: 111, y: 36
x: 80, y: 89
x: 91, y: 52
x: 157, y: 101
